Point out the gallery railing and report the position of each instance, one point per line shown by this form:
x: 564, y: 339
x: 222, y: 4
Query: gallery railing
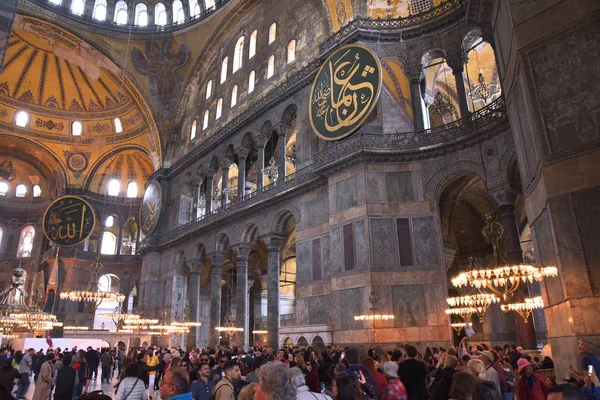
x: 487, y: 119
x: 80, y: 191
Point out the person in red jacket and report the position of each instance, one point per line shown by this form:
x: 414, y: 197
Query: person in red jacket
x: 530, y: 386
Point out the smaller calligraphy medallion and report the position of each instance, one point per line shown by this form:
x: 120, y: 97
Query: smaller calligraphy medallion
x: 68, y: 221
x: 151, y: 205
x: 344, y: 92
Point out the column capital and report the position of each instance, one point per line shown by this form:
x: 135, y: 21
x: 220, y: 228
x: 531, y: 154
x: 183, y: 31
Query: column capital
x: 273, y: 241
x: 194, y: 266
x: 241, y: 251
x: 504, y: 196
x: 217, y: 259
x: 210, y: 173
x: 281, y: 128
x: 414, y: 72
x: 242, y: 152
x: 225, y: 162
x: 260, y: 141
x: 456, y: 62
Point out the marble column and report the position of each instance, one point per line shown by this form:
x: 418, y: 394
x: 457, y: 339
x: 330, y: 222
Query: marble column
x: 120, y: 240
x: 224, y: 184
x: 260, y: 142
x: 195, y: 267
x: 273, y: 277
x: 281, y: 129
x: 415, y: 93
x: 242, y: 154
x: 209, y: 191
x: 461, y: 91
x: 241, y: 309
x: 215, y: 299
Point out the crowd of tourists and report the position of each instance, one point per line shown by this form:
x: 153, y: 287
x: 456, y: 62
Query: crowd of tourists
x: 467, y: 372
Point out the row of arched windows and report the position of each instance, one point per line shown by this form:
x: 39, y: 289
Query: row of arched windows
x: 22, y: 120
x: 20, y: 190
x: 238, y: 57
x: 114, y: 188
x: 25, y: 241
x: 121, y: 14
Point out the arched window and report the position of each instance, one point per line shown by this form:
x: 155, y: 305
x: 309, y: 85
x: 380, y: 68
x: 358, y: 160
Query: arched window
x: 178, y: 13
x: 37, y: 191
x: 194, y: 8
x: 121, y: 12
x: 26, y: 242
x: 109, y: 243
x: 272, y: 32
x: 251, y: 79
x: 114, y: 187
x: 77, y: 7
x: 22, y: 119
x: 234, y: 96
x: 205, y: 122
x: 238, y: 55
x: 224, y: 69
x: 160, y: 14
x: 21, y: 190
x: 252, y: 49
x: 219, y: 109
x: 141, y: 14
x: 110, y: 221
x: 209, y: 4
x: 132, y: 189
x: 209, y: 89
x: 193, y: 131
x: 76, y: 128
x: 100, y: 8
x: 271, y: 66
x: 3, y: 188
x: 118, y: 125
x: 291, y: 51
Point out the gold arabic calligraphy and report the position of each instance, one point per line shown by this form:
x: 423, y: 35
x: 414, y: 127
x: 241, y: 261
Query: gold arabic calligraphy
x: 338, y: 99
x: 62, y: 223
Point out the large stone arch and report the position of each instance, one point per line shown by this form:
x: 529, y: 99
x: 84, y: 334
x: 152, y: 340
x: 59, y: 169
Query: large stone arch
x: 250, y: 233
x: 447, y: 173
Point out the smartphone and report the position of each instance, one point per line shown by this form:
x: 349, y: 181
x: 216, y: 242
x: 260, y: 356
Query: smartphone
x: 322, y: 387
x: 590, y: 370
x: 361, y: 375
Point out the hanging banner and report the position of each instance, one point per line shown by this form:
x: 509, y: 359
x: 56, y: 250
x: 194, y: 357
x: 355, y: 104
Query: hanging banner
x: 8, y: 9
x: 68, y: 221
x: 344, y: 92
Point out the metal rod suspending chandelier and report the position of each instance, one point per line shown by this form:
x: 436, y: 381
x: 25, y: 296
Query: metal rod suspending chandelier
x: 373, y: 314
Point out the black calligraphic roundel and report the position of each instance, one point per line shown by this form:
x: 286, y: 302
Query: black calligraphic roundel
x: 150, y: 211
x: 344, y: 92
x: 68, y: 221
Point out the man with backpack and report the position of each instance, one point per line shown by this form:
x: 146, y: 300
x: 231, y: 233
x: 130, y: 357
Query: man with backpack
x: 224, y: 389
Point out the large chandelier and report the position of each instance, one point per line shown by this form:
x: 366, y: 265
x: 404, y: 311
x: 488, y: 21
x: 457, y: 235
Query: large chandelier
x: 501, y: 278
x: 186, y: 322
x: 91, y: 295
x: 162, y: 328
x: 479, y: 301
x: 271, y: 171
x: 484, y: 91
x: 229, y: 327
x: 373, y: 314
x: 464, y: 312
x: 442, y: 105
x: 525, y: 309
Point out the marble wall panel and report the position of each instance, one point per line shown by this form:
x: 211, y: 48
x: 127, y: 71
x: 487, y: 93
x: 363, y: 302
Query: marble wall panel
x: 316, y: 260
x: 383, y: 242
x: 542, y: 233
x: 326, y: 257
x: 587, y: 209
x: 314, y: 212
x: 389, y: 187
x: 303, y: 262
x: 318, y: 309
x: 361, y: 244
x: 426, y: 242
x: 348, y: 193
x: 351, y: 302
x: 409, y: 306
x: 336, y: 250
x: 302, y: 311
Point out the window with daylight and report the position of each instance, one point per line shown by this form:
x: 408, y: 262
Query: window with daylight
x: 271, y: 67
x: 209, y: 4
x: 109, y: 243
x: 37, y: 191
x: 178, y: 13
x: 100, y: 8
x: 114, y: 187
x: 219, y: 109
x: 251, y: 79
x: 141, y: 14
x: 26, y: 242
x: 76, y: 128
x: 118, y: 125
x: 132, y: 189
x: 1, y: 234
x: 238, y: 56
x: 57, y: 2
x: 21, y: 190
x: 121, y: 12
x: 209, y: 89
x: 193, y: 131
x: 3, y: 188
x: 205, y: 122
x: 252, y: 49
x: 272, y: 32
x: 110, y: 221
x: 22, y: 119
x: 77, y: 7
x: 234, y: 96
x: 160, y: 14
x: 291, y: 51
x: 224, y: 69
x: 194, y: 8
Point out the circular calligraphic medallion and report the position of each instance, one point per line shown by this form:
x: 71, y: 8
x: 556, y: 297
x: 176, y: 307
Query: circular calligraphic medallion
x: 151, y: 204
x: 344, y: 92
x: 68, y: 221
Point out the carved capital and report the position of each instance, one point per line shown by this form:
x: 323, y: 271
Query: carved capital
x: 456, y: 62
x: 194, y: 266
x: 225, y: 162
x: 242, y: 152
x: 281, y: 128
x: 414, y: 72
x: 242, y: 251
x: 273, y: 242
x: 260, y: 141
x: 504, y: 197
